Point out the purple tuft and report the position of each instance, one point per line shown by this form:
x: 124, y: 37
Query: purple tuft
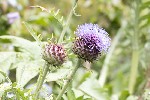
x: 91, y: 41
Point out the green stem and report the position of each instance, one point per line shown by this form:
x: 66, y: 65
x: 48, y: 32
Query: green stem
x: 104, y: 71
x: 67, y: 23
x: 69, y: 80
x: 41, y: 80
x: 135, y: 52
x: 133, y: 71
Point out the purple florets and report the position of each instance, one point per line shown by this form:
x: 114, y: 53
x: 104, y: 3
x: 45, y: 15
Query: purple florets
x: 91, y: 41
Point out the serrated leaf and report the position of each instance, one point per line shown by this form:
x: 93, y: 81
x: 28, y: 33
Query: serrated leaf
x: 41, y: 19
x: 83, y: 78
x: 145, y: 17
x: 6, y: 77
x: 145, y: 5
x: 60, y: 73
x: 53, y: 14
x: 78, y: 93
x: 80, y: 98
x: 6, y: 60
x: 56, y: 13
x: 39, y: 37
x: 27, y: 70
x: 93, y: 89
x: 42, y: 8
x: 74, y: 12
x: 61, y: 19
x: 24, y: 45
x: 33, y: 33
x: 70, y: 94
x: 147, y: 23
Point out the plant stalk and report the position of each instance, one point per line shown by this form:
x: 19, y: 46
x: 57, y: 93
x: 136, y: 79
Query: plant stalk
x: 133, y: 71
x: 69, y: 80
x: 41, y: 80
x: 67, y: 22
x: 104, y: 71
x: 135, y: 50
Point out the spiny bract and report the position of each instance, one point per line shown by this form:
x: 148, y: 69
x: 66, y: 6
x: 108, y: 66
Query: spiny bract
x: 54, y: 54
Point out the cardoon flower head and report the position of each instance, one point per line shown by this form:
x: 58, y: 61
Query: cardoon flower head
x: 54, y: 54
x: 91, y: 41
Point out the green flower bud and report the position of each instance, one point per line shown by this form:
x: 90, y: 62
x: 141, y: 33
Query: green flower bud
x: 54, y: 54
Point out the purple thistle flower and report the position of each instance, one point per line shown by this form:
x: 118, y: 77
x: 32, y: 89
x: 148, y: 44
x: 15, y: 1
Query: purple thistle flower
x: 91, y: 42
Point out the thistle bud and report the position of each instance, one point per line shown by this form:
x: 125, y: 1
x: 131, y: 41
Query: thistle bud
x: 91, y: 41
x: 54, y: 54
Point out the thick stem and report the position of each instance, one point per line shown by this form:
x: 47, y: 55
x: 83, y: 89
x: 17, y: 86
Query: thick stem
x: 69, y: 80
x: 67, y: 23
x: 135, y: 52
x: 41, y: 80
x: 133, y: 72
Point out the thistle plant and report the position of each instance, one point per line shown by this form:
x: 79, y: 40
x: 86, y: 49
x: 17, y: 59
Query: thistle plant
x: 54, y: 55
x: 58, y: 64
x: 89, y: 44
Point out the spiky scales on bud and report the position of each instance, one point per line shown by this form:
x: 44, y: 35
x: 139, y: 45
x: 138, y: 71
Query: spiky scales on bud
x: 54, y: 54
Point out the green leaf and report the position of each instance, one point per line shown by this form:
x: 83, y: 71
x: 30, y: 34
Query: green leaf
x: 133, y: 98
x: 70, y: 94
x: 6, y: 60
x: 53, y: 14
x: 78, y: 93
x: 146, y: 24
x: 27, y: 70
x: 124, y: 95
x: 60, y: 73
x: 93, y: 89
x: 145, y: 5
x: 41, y: 19
x: 80, y: 98
x: 147, y: 16
x: 34, y: 35
x: 6, y: 77
x: 23, y: 45
x: 84, y: 77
